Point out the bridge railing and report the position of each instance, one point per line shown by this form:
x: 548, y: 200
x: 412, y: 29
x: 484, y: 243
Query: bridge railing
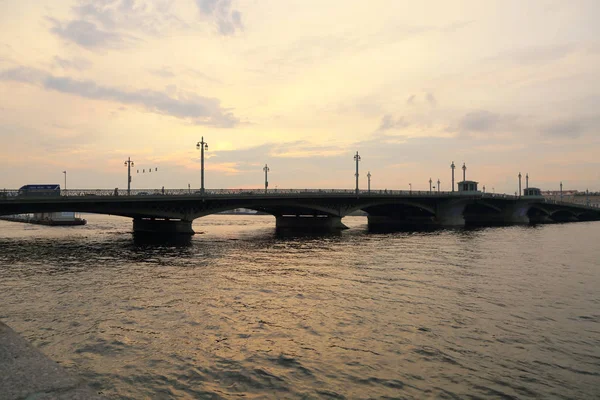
x: 582, y: 203
x: 70, y: 193
x: 12, y: 194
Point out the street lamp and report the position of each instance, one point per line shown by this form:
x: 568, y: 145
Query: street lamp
x: 430, y: 181
x: 128, y: 164
x: 202, y: 145
x: 464, y: 168
x: 527, y: 180
x: 561, y: 194
x: 438, y: 182
x: 483, y: 188
x: 369, y: 182
x: 410, y: 188
x: 519, y: 184
x: 266, y: 169
x: 65, y: 172
x: 587, y: 197
x: 357, y: 159
x: 452, y: 166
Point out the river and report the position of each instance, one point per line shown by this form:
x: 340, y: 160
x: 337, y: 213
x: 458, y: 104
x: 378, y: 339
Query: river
x: 240, y: 311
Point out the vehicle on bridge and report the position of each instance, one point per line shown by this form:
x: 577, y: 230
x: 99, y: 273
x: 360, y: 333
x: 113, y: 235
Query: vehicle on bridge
x: 39, y: 190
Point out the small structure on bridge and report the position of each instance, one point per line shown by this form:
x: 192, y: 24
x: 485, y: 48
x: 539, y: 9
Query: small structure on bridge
x: 532, y: 192
x: 467, y: 186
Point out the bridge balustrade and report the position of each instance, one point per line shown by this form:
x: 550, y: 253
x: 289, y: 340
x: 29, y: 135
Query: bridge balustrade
x: 12, y: 194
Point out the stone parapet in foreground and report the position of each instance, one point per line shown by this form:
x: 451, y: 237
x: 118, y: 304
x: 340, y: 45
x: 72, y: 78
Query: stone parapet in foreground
x: 26, y: 373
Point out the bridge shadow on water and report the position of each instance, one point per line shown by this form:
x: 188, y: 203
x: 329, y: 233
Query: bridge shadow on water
x: 285, y: 233
x: 142, y: 239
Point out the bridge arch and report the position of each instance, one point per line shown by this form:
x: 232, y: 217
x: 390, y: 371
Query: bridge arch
x: 563, y: 215
x: 381, y: 204
x: 588, y: 215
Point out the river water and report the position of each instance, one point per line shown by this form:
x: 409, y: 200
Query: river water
x: 241, y: 311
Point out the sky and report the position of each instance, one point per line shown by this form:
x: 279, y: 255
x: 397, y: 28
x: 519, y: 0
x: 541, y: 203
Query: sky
x: 301, y: 85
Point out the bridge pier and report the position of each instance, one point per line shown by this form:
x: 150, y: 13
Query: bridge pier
x: 449, y: 214
x: 309, y: 222
x: 162, y: 226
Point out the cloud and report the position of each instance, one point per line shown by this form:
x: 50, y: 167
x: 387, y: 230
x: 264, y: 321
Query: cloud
x: 536, y: 54
x: 78, y: 64
x: 198, y: 74
x: 566, y: 128
x: 167, y: 73
x: 196, y: 109
x: 486, y: 121
x: 86, y: 34
x: 22, y: 74
x: 115, y: 23
x: 289, y: 150
x: 431, y: 99
x: 388, y: 122
x: 570, y: 126
x: 164, y: 72
x: 228, y: 21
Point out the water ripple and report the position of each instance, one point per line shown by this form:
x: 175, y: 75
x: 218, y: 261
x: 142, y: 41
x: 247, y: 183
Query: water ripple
x: 244, y: 311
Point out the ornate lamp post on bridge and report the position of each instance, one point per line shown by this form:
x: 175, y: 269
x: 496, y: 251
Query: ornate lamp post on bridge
x: 357, y: 159
x: 369, y: 182
x: 202, y: 145
x: 65, y: 172
x: 464, y: 168
x: 452, y: 166
x: 527, y: 180
x: 438, y: 182
x: 430, y: 181
x: 266, y: 169
x: 410, y: 188
x: 128, y: 164
x: 561, y: 196
x: 587, y: 197
x: 519, y: 184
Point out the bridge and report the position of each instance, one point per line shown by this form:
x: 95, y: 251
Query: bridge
x: 173, y: 211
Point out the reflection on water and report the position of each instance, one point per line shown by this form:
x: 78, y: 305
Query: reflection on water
x: 291, y: 234
x: 243, y: 310
x: 143, y: 240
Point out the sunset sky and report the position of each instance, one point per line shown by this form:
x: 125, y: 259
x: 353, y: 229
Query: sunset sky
x: 505, y: 86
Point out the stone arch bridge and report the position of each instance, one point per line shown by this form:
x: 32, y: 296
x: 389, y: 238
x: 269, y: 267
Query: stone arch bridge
x: 174, y: 211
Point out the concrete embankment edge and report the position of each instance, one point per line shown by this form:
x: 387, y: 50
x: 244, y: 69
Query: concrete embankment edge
x: 26, y: 373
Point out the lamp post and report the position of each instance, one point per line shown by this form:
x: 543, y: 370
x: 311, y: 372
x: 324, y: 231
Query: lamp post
x: 369, y: 182
x: 483, y: 188
x: 527, y: 180
x: 464, y: 168
x: 266, y: 169
x: 128, y: 164
x: 410, y: 188
x: 357, y: 159
x: 430, y: 181
x: 202, y: 145
x: 438, y: 182
x: 65, y: 172
x: 587, y: 197
x: 561, y: 196
x: 519, y: 184
x: 452, y: 166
